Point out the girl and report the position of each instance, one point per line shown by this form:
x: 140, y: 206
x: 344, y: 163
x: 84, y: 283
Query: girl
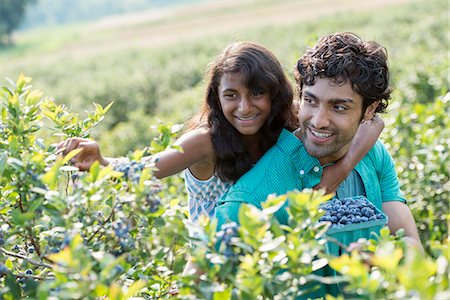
x: 248, y: 102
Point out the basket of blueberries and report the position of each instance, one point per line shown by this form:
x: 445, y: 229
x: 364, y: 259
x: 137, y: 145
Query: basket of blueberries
x: 351, y: 219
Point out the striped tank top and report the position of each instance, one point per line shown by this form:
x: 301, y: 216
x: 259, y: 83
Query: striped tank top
x: 203, y: 194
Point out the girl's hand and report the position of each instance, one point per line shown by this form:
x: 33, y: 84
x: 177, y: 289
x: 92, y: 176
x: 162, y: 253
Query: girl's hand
x: 89, y: 154
x: 332, y: 177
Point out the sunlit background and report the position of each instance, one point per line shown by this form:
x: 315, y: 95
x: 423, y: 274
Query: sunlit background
x: 149, y: 56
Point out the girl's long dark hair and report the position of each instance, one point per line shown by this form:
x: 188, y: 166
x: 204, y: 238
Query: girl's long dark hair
x: 262, y: 71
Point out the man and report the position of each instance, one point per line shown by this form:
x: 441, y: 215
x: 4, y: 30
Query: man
x: 342, y: 81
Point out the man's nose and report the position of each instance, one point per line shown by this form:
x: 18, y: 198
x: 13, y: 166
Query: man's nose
x: 320, y: 118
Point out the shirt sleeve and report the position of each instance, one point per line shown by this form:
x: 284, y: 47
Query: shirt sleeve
x: 390, y: 187
x: 228, y: 206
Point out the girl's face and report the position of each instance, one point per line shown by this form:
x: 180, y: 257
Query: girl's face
x: 245, y: 109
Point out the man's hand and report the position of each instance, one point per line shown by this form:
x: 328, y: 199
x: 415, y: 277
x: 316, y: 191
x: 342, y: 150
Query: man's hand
x: 89, y: 154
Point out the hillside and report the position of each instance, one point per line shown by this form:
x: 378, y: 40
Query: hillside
x: 166, y: 26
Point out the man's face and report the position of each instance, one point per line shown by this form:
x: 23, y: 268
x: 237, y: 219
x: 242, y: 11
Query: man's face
x: 329, y: 118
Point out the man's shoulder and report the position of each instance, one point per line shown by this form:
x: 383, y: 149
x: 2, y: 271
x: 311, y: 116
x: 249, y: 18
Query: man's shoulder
x: 378, y: 156
x: 275, y: 156
x: 378, y: 151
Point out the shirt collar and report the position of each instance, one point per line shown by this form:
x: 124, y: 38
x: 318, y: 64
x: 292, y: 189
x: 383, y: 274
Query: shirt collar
x: 295, y: 150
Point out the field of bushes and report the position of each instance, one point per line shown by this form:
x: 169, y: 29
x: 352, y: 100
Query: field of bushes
x: 66, y: 234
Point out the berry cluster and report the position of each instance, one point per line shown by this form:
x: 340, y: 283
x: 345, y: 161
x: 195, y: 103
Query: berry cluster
x: 226, y: 235
x: 123, y: 237
x: 130, y: 169
x: 347, y: 211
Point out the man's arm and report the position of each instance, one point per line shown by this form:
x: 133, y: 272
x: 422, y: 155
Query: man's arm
x: 399, y: 216
x: 394, y: 204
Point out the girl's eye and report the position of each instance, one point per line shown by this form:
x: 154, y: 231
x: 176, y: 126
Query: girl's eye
x: 257, y: 93
x: 230, y: 96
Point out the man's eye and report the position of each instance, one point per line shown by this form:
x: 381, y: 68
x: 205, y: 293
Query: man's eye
x: 340, y: 107
x: 308, y: 100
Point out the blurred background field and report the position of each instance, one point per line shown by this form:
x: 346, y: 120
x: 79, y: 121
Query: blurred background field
x: 151, y: 64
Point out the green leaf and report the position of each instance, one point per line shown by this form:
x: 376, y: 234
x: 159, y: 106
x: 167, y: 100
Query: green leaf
x: 9, y: 264
x: 134, y: 288
x: 13, y: 286
x: 273, y: 204
x: 273, y: 244
x: 3, y: 159
x: 223, y: 295
x: 33, y: 97
x: 21, y: 218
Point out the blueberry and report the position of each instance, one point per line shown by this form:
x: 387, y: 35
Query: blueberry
x: 368, y: 213
x: 154, y: 205
x: 364, y: 219
x: 118, y: 269
x: 3, y: 269
x: 31, y: 249
x: 15, y: 248
x: 29, y: 272
x: 334, y: 219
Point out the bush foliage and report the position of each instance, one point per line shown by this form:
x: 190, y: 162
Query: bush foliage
x: 98, y: 234
x: 101, y: 234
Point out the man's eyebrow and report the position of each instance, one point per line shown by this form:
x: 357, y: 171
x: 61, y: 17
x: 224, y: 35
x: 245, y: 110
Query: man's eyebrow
x: 308, y: 93
x: 341, y: 100
x: 333, y: 100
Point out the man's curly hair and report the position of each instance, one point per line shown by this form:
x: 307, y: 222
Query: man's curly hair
x: 344, y: 57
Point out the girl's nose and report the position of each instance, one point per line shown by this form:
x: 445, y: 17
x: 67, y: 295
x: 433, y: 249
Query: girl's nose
x: 245, y: 105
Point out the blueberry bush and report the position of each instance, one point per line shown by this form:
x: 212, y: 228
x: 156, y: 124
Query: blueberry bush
x: 120, y: 233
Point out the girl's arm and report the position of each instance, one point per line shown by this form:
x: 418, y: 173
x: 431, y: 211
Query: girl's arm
x: 366, y: 136
x: 197, y: 153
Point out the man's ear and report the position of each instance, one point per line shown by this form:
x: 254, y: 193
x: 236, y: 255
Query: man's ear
x: 370, y: 110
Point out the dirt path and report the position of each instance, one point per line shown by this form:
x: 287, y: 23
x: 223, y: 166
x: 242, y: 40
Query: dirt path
x: 166, y: 26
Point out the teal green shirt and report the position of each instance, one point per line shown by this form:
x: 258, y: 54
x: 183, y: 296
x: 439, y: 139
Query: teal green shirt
x: 287, y: 166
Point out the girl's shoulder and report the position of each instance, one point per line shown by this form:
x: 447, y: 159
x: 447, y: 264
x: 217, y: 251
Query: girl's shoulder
x: 199, y: 135
x: 198, y: 139
x: 198, y: 146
